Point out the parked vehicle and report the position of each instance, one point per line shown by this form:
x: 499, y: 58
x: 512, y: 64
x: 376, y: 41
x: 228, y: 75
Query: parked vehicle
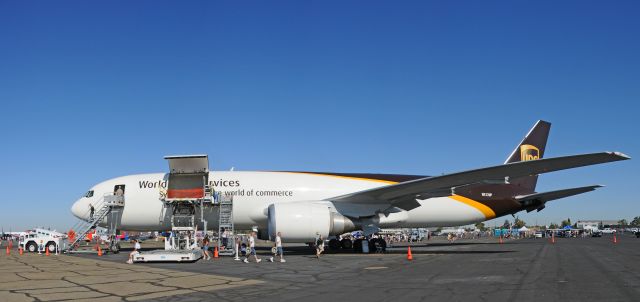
x: 608, y: 231
x: 41, y: 240
x: 417, y: 235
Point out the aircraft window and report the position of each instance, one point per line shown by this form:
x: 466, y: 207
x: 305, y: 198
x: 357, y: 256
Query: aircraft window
x: 89, y: 194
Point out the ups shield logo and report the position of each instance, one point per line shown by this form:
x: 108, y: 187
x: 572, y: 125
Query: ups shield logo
x: 529, y: 152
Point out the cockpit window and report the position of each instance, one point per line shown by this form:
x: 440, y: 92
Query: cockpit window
x: 89, y: 194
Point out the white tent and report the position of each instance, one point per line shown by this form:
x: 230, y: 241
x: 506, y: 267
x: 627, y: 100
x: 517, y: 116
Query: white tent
x: 523, y: 229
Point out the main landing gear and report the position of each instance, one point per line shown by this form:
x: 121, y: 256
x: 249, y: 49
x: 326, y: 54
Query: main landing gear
x: 376, y: 245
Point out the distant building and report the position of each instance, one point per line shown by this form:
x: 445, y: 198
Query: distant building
x: 587, y: 224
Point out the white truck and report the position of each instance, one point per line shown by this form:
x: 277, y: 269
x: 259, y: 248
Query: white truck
x: 608, y: 231
x: 417, y: 235
x: 40, y: 240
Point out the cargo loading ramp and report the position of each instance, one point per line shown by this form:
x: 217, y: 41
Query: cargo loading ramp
x: 186, y: 196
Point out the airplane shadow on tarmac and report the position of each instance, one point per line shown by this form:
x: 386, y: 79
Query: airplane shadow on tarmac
x: 447, y: 252
x: 393, y: 250
x: 441, y: 244
x: 305, y: 250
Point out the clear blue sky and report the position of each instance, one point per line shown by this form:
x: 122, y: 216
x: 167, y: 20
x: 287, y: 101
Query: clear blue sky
x: 93, y: 90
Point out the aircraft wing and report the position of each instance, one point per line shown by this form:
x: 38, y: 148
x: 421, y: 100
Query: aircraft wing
x: 403, y: 195
x: 536, y: 201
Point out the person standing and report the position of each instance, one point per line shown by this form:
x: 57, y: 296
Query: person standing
x: 205, y: 248
x: 119, y: 191
x: 91, y: 211
x: 319, y: 246
x: 279, y: 250
x: 225, y: 238
x: 252, y: 248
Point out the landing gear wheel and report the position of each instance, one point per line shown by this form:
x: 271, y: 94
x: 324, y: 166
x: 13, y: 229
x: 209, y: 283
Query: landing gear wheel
x: 346, y: 244
x: 372, y: 245
x: 334, y: 244
x: 378, y: 245
x: 115, y: 248
x: 383, y: 245
x: 357, y: 246
x: 32, y: 247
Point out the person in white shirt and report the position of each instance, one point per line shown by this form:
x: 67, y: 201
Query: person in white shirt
x: 279, y: 248
x: 225, y: 239
x: 252, y: 248
x: 136, y: 250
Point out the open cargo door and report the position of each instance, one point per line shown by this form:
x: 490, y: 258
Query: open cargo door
x: 188, y: 175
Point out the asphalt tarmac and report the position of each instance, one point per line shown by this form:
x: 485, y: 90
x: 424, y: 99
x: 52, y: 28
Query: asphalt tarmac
x: 571, y: 269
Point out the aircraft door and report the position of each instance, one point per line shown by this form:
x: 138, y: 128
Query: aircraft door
x: 118, y: 190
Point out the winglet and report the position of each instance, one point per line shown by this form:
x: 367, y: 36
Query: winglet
x: 620, y: 154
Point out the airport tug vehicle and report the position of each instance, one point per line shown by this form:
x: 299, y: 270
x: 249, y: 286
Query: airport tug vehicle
x: 186, y: 199
x: 41, y: 240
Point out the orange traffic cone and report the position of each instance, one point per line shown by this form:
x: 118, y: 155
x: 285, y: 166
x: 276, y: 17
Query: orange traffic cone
x: 20, y: 250
x: 46, y: 249
x: 99, y: 252
x: 215, y: 252
x: 615, y: 239
x: 8, y: 251
x: 409, y: 256
x: 553, y: 238
x: 500, y: 239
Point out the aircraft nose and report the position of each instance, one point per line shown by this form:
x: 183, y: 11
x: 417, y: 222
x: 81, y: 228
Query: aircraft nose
x: 79, y: 209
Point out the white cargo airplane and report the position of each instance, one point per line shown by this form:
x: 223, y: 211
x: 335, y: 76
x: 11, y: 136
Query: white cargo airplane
x: 303, y: 204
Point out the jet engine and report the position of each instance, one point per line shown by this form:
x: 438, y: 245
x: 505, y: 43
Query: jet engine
x: 301, y: 221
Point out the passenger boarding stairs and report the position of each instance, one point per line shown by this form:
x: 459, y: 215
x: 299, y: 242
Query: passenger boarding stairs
x: 225, y: 223
x: 108, y: 204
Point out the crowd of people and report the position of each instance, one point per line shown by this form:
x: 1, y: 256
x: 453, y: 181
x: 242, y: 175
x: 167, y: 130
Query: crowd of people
x: 245, y: 247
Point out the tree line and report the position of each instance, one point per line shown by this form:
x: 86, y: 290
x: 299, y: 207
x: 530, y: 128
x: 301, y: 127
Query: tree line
x: 518, y: 223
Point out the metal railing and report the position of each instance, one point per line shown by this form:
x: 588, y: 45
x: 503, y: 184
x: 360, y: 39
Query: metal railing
x: 101, y: 209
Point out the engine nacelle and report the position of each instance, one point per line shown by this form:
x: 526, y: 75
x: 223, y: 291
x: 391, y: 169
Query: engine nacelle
x: 301, y: 221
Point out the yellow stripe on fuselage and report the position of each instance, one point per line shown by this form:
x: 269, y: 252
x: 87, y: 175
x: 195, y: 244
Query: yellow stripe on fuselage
x: 487, y: 211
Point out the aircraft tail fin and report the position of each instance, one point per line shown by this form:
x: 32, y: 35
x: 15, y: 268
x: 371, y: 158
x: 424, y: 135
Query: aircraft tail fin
x: 531, y: 147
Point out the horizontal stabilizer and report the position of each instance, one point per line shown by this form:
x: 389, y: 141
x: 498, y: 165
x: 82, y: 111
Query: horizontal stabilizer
x: 541, y: 198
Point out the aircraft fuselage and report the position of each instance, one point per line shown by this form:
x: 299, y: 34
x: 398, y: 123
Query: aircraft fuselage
x: 255, y: 191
